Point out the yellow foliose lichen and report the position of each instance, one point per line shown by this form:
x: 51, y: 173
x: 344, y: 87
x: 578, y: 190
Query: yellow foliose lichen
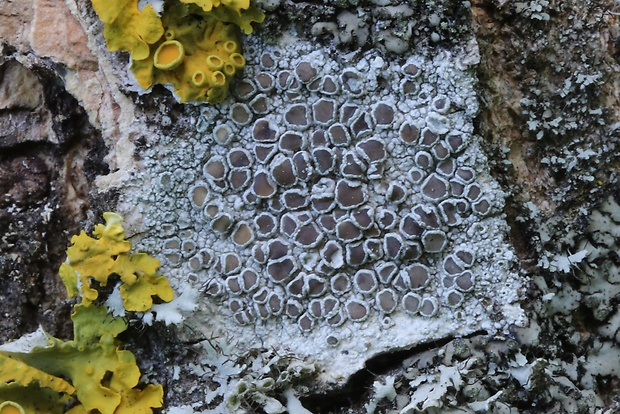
x: 198, y: 49
x: 244, y: 19
x: 14, y: 370
x: 101, y: 376
x: 207, y: 5
x: 108, y: 256
x: 239, y: 12
x: 91, y: 373
x: 128, y: 28
x: 208, y: 47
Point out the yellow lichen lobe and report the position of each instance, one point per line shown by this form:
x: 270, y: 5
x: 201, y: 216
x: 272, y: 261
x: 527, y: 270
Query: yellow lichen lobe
x: 128, y: 28
x: 106, y: 256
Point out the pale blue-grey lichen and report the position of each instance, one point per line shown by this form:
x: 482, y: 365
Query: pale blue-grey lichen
x: 336, y: 207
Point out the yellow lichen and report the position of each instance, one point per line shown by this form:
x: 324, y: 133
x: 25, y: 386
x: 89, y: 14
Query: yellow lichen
x: 10, y: 407
x: 102, y: 376
x: 207, y: 5
x: 244, y: 20
x: 107, y: 256
x: 128, y: 28
x: 180, y: 49
x: 91, y: 372
x: 205, y: 41
x: 14, y: 370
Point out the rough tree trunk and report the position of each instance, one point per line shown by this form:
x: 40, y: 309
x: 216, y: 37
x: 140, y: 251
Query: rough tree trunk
x: 534, y: 89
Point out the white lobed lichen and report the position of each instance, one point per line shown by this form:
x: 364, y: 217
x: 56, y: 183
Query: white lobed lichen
x: 336, y: 207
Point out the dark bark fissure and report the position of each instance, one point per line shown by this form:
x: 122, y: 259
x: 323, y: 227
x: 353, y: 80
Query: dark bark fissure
x: 48, y: 164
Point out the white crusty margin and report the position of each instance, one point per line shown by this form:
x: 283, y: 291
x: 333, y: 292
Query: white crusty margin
x: 180, y: 228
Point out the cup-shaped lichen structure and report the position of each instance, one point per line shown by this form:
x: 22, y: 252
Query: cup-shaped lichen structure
x: 169, y: 55
x: 9, y: 407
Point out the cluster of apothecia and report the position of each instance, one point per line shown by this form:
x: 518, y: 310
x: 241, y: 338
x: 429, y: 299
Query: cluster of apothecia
x: 328, y: 194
